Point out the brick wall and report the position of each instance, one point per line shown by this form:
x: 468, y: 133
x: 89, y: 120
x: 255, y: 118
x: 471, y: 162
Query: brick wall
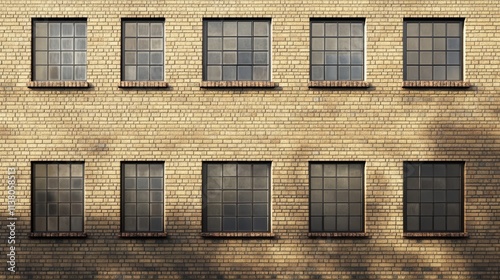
x: 291, y: 124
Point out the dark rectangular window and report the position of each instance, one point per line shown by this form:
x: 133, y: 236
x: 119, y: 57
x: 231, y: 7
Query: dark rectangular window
x: 337, y: 50
x: 142, y: 196
x: 236, y: 196
x: 57, y: 196
x: 236, y: 49
x: 142, y: 50
x: 433, y: 196
x: 59, y: 50
x: 336, y: 196
x: 433, y: 50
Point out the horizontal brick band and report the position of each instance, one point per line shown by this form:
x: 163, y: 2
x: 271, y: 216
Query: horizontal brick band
x: 238, y: 234
x: 435, y: 234
x: 142, y: 234
x: 58, y: 234
x: 338, y: 84
x: 143, y: 84
x: 338, y: 235
x: 56, y: 84
x: 436, y: 84
x: 238, y: 84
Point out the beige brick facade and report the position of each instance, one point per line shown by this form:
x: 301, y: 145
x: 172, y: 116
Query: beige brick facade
x: 288, y: 121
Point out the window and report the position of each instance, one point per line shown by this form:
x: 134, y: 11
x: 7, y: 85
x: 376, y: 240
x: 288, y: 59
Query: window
x: 236, y: 50
x: 59, y: 50
x: 236, y: 196
x: 57, y: 202
x: 433, y: 196
x: 142, y: 50
x: 337, y: 50
x: 433, y: 50
x: 336, y: 197
x: 142, y: 197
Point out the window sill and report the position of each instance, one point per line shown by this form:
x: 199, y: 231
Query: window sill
x: 436, y: 235
x: 58, y: 235
x: 143, y: 84
x: 238, y: 84
x: 238, y: 234
x: 338, y: 235
x: 436, y: 84
x: 338, y: 84
x: 142, y: 234
x: 58, y: 84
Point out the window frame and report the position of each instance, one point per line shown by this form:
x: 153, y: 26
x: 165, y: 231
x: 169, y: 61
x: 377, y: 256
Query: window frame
x: 237, y: 82
x: 46, y: 232
x: 434, y: 82
x: 236, y: 233
x: 131, y: 233
x: 58, y: 82
x: 424, y: 233
x: 123, y: 51
x: 337, y: 232
x: 338, y: 82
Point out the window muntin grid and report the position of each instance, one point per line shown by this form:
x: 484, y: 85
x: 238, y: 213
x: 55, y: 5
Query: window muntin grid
x: 59, y: 50
x: 336, y: 201
x: 433, y: 196
x: 236, y: 196
x: 337, y: 50
x: 433, y: 50
x: 143, y: 50
x: 236, y: 50
x: 142, y: 196
x: 58, y: 196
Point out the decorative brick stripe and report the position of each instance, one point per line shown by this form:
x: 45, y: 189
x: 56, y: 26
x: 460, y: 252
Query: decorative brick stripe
x: 435, y: 234
x: 338, y: 84
x: 238, y: 234
x: 142, y: 234
x: 338, y: 235
x: 238, y: 84
x: 56, y: 84
x: 436, y: 84
x: 58, y: 234
x: 143, y: 84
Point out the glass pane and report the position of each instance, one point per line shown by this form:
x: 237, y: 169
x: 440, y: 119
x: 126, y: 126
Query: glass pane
x: 425, y: 57
x: 214, y: 210
x: 130, y: 73
x: 143, y: 44
x: 344, y: 44
x: 453, y: 29
x: 261, y: 58
x: 41, y: 73
x: 214, y: 224
x: 412, y: 44
x: 142, y: 209
x: 156, y: 224
x: 41, y: 44
x: 331, y: 44
x: 80, y: 29
x: 41, y: 29
x: 244, y: 170
x: 260, y: 196
x: 245, y: 58
x: 67, y: 72
x: 214, y: 44
x: 453, y: 73
x: 317, y: 29
x: 426, y: 29
x: 156, y: 29
x: 451, y: 43
x: 260, y: 210
x: 229, y: 224
x: 453, y: 58
x: 76, y: 183
x: 318, y: 44
x: 157, y: 44
x: 130, y: 29
x: 426, y: 73
x: 229, y: 183
x: 230, y: 28
x: 316, y: 224
x: 230, y: 58
x: 344, y: 29
x: 331, y: 58
x: 214, y: 58
x: 80, y: 44
x: 260, y: 224
x: 130, y: 224
x: 357, y: 29
x: 260, y: 73
x: 439, y: 29
x: 244, y: 28
x: 412, y: 29
x: 143, y: 224
x: 156, y: 73
x: 261, y: 28
x: 54, y: 29
x: 439, y: 57
x: 245, y: 73
x: 245, y: 224
x: 331, y: 29
x: 76, y: 224
x: 214, y: 73
x: 143, y: 73
x: 317, y: 58
x: 244, y: 210
x: 143, y: 29
x: 230, y: 44
x: 214, y: 196
x: 229, y: 196
x: 261, y: 44
x: 317, y: 73
x: 356, y: 73
x: 54, y: 73
x: 214, y: 28
x: 244, y: 44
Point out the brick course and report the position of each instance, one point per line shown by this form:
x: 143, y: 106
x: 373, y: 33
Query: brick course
x: 285, y: 122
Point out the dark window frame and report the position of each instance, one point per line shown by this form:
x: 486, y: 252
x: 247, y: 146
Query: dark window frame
x: 446, y: 202
x: 433, y: 21
x: 73, y: 50
x: 348, y: 189
x: 205, y: 203
x: 337, y: 65
x: 123, y: 50
x: 123, y: 198
x: 34, y: 194
x: 238, y: 51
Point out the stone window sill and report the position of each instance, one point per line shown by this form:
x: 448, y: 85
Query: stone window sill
x: 338, y: 84
x: 58, y: 235
x: 238, y: 234
x: 338, y: 235
x: 142, y: 234
x: 436, y: 84
x: 435, y: 235
x: 143, y: 84
x: 58, y: 84
x: 238, y: 84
